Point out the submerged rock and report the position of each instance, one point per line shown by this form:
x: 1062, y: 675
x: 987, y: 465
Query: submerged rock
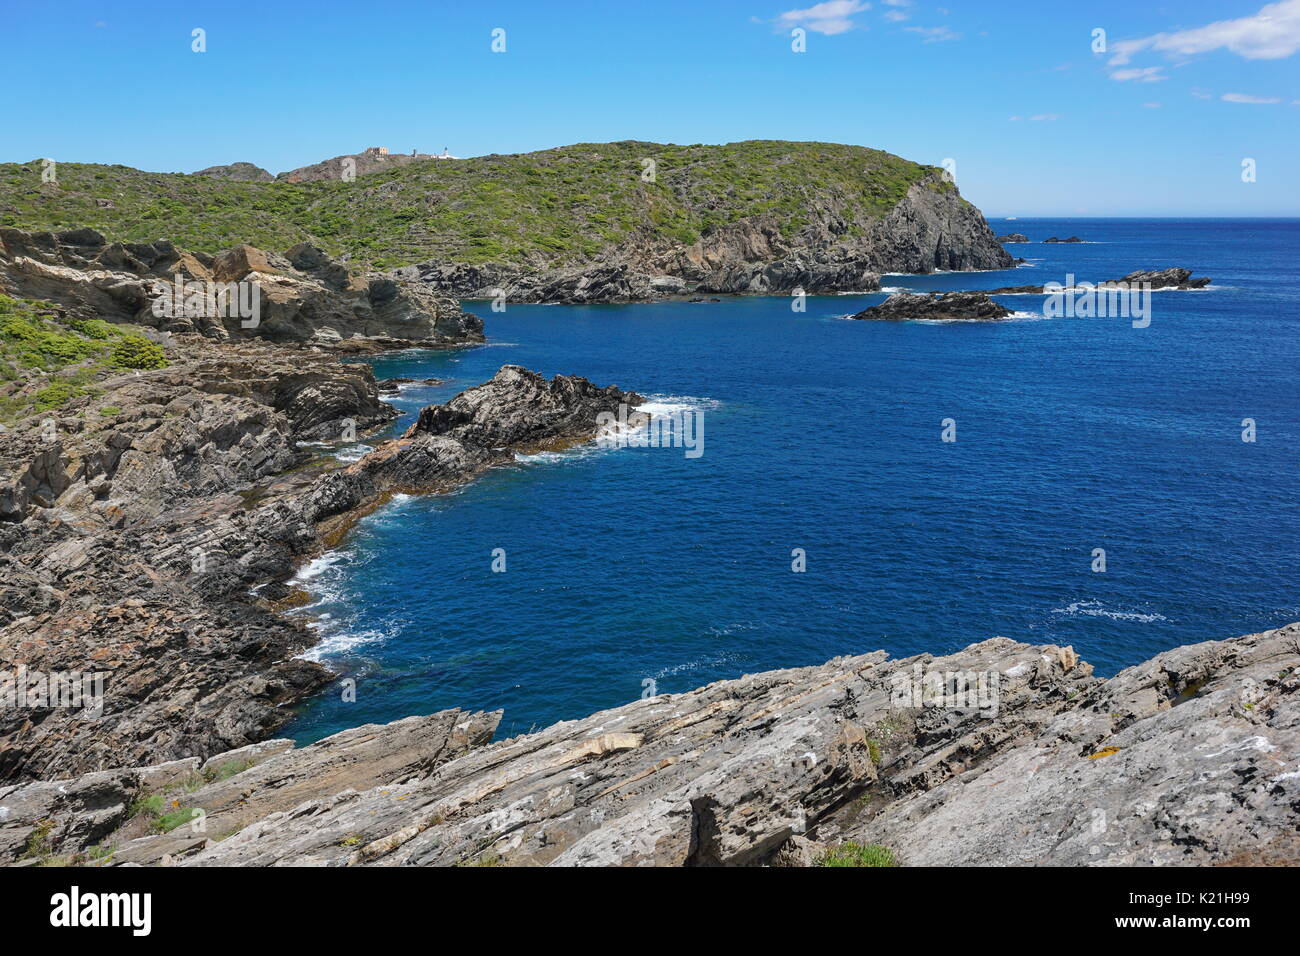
x: 948, y: 306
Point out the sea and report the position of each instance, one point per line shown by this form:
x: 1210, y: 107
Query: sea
x: 1120, y: 488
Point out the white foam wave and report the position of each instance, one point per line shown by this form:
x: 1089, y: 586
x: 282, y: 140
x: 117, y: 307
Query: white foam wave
x: 340, y: 642
x: 318, y: 566
x: 718, y: 660
x: 353, y: 452
x: 654, y: 405
x: 1097, y: 609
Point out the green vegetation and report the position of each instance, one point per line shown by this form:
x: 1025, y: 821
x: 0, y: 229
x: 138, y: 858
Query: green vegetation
x: 73, y: 354
x: 543, y: 209
x: 226, y: 770
x: 38, y: 843
x: 161, y: 814
x: 855, y: 854
x: 172, y: 819
x: 137, y: 352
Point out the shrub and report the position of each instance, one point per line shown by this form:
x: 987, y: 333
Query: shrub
x: 135, y: 351
x: 855, y: 854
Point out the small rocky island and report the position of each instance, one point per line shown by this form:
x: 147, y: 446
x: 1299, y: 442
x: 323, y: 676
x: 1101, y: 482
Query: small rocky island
x: 947, y: 307
x: 1071, y: 239
x: 1155, y: 279
x: 1014, y: 237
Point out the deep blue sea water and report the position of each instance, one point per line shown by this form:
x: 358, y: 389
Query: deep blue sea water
x: 824, y: 434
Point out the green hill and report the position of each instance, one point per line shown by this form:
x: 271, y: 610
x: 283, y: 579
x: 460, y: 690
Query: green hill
x: 546, y: 209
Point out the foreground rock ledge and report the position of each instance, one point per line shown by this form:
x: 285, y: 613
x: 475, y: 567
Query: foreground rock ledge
x: 1189, y: 758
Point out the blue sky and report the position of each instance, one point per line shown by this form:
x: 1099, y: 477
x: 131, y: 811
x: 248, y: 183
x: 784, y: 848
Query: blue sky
x: 1036, y: 121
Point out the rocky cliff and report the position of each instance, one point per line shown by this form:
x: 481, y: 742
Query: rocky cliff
x: 302, y: 296
x: 1003, y: 753
x: 592, y: 222
x: 147, y: 527
x: 930, y: 228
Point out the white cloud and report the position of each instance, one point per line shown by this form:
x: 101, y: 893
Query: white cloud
x: 895, y: 16
x: 1247, y: 98
x: 934, y: 34
x: 1153, y: 106
x: 1145, y: 74
x: 1201, y: 94
x: 1038, y: 118
x: 829, y: 18
x: 1270, y: 34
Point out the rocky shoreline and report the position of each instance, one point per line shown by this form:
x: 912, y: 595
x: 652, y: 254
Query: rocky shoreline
x: 150, y: 523
x: 150, y: 520
x: 1000, y: 754
x: 931, y: 229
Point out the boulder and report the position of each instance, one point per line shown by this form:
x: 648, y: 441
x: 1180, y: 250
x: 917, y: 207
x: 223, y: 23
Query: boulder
x: 947, y: 306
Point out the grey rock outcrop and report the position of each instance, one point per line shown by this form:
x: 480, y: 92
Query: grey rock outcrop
x: 371, y: 160
x: 931, y: 228
x: 947, y: 306
x: 1014, y: 237
x: 240, y: 172
x: 134, y: 534
x: 303, y: 296
x: 1003, y: 753
x: 1189, y: 758
x: 1172, y: 278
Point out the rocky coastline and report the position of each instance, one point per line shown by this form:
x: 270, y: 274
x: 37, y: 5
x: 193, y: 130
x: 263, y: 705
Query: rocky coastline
x: 150, y: 520
x: 1186, y: 759
x: 150, y: 525
x: 930, y: 229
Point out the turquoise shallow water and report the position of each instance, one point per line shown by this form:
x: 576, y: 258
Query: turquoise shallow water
x: 630, y: 565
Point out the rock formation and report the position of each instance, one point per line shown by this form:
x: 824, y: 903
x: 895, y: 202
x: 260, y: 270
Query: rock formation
x: 1161, y: 279
x: 1014, y: 237
x: 1173, y: 278
x: 371, y: 160
x: 240, y: 172
x: 947, y: 306
x: 930, y: 229
x: 136, y: 522
x: 1189, y: 758
x: 1071, y: 239
x: 303, y: 296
